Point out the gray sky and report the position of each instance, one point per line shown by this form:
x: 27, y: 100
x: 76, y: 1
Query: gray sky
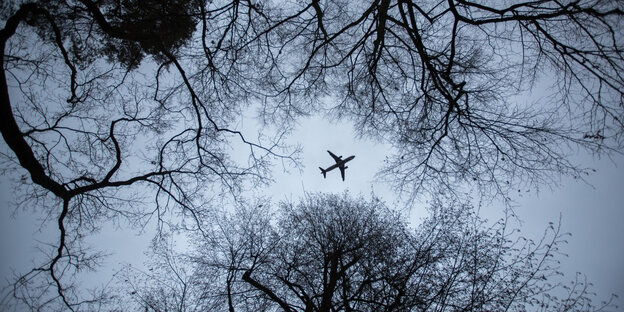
x: 593, y: 214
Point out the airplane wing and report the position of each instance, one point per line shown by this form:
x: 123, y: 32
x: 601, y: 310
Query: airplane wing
x: 342, y: 171
x: 336, y: 158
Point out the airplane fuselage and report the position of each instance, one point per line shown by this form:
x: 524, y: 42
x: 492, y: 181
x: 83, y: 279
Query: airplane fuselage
x: 340, y: 163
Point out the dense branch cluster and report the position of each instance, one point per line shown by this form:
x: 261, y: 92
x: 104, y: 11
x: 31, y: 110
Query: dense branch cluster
x: 128, y: 109
x: 93, y: 125
x: 450, y: 83
x: 337, y: 253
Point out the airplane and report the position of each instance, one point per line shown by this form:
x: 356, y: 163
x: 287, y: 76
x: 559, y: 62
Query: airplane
x: 340, y: 163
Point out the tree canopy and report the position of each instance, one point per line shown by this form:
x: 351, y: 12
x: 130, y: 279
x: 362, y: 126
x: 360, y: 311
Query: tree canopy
x: 129, y: 109
x: 338, y: 253
x: 449, y: 84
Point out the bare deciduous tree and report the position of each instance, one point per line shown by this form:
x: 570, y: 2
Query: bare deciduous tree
x: 450, y: 84
x: 126, y: 110
x: 336, y: 253
x: 106, y: 104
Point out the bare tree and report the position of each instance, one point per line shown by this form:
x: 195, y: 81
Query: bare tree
x: 126, y: 110
x: 450, y: 84
x: 105, y: 104
x: 336, y: 253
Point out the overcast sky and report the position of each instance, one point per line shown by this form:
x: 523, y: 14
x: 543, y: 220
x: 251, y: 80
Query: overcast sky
x: 592, y: 213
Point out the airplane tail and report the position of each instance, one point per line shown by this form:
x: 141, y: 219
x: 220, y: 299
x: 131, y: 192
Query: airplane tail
x: 324, y: 172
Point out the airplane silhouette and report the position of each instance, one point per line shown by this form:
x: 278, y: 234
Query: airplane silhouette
x: 340, y: 163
